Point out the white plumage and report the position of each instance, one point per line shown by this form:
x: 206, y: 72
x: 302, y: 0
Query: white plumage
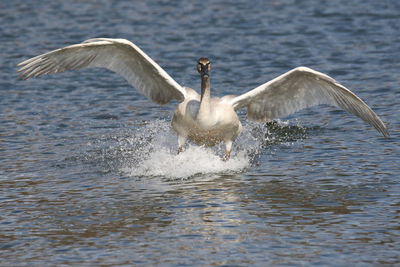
x: 203, y: 119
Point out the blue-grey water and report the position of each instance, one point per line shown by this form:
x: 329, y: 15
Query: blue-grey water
x: 88, y: 168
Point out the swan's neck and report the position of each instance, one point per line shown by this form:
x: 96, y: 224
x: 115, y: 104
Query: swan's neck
x: 205, y: 101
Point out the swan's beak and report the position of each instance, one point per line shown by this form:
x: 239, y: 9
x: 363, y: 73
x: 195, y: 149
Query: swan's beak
x: 203, y: 67
x: 204, y: 72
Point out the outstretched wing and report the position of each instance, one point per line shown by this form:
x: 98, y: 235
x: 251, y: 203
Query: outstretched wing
x: 298, y: 89
x: 118, y: 55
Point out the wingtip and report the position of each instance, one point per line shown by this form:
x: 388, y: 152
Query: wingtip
x: 21, y: 76
x: 382, y: 129
x: 386, y: 134
x: 26, y: 62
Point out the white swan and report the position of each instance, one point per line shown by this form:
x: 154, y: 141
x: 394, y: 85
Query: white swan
x: 203, y: 119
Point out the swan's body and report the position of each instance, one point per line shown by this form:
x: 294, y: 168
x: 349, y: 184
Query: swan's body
x: 203, y: 119
x: 220, y: 123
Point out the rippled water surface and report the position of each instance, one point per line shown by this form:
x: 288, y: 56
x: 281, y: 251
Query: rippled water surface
x: 88, y: 168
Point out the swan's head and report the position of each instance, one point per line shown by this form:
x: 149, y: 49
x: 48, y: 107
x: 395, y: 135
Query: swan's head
x: 203, y: 66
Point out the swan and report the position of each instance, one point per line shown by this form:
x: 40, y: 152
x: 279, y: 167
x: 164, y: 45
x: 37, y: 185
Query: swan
x: 201, y: 118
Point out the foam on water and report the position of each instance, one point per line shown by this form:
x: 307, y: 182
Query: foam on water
x: 150, y: 150
x: 194, y: 160
x: 158, y: 156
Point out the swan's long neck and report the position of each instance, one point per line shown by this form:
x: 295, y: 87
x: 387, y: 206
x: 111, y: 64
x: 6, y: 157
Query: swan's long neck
x: 205, y: 101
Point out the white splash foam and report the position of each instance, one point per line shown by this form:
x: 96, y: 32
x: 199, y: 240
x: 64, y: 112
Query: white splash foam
x: 150, y: 150
x: 157, y: 155
x: 194, y: 160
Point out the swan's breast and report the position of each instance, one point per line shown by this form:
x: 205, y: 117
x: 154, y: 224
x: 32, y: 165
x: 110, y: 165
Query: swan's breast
x: 222, y: 124
x: 192, y: 108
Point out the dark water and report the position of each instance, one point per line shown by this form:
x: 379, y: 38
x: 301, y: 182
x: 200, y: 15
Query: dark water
x: 88, y: 171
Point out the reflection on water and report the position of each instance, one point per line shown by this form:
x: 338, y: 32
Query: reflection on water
x: 286, y: 221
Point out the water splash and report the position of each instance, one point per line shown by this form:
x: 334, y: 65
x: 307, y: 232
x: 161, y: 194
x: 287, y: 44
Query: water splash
x: 158, y: 156
x: 195, y: 160
x: 150, y: 150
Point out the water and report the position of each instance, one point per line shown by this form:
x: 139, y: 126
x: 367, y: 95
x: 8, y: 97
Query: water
x: 88, y: 168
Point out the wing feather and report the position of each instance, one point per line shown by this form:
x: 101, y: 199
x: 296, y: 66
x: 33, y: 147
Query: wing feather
x: 301, y: 88
x: 118, y: 55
